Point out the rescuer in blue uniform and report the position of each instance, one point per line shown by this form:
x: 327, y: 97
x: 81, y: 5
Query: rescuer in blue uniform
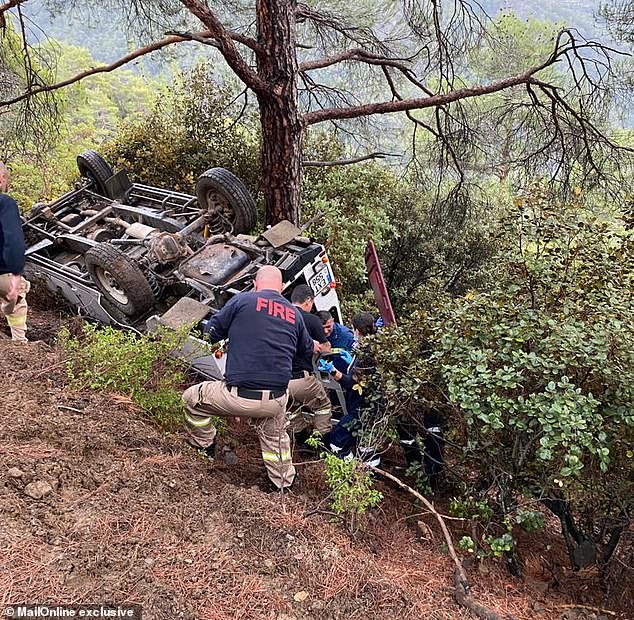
x: 364, y: 399
x: 339, y: 336
x: 306, y: 389
x: 265, y: 333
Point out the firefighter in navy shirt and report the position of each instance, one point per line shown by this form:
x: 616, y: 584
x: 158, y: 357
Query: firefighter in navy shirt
x: 13, y: 287
x: 306, y: 388
x: 265, y: 333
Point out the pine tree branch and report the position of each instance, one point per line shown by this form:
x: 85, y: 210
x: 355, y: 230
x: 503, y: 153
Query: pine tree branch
x: 226, y: 45
x: 356, y: 54
x: 345, y: 162
x: 9, y: 5
x: 419, y: 103
x: 142, y: 51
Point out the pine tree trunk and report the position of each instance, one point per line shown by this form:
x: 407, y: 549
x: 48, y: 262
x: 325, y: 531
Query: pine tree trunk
x: 282, y: 129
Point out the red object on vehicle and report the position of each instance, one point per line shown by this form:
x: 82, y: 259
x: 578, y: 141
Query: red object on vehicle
x: 375, y: 274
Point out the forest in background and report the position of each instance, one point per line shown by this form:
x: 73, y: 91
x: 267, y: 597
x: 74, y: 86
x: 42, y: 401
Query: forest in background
x: 100, y: 32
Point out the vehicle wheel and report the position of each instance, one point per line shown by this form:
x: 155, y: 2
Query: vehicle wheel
x: 115, y: 313
x: 119, y: 279
x: 93, y: 166
x: 221, y: 191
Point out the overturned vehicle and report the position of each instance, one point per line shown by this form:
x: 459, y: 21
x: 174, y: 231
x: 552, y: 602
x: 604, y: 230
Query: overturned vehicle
x: 138, y: 256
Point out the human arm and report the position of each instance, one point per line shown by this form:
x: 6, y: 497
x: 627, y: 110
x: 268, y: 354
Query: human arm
x: 305, y: 344
x: 323, y: 347
x: 217, y: 327
x: 337, y: 375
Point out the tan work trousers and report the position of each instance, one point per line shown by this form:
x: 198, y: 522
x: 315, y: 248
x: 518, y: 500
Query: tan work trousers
x: 308, y: 391
x: 268, y: 416
x: 15, y: 311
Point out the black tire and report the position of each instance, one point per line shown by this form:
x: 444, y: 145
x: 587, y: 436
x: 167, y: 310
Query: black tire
x: 93, y: 166
x: 115, y: 313
x: 120, y: 280
x: 221, y: 191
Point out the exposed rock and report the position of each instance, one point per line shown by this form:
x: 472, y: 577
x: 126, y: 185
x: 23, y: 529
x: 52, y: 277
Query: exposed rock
x: 38, y: 489
x: 14, y: 472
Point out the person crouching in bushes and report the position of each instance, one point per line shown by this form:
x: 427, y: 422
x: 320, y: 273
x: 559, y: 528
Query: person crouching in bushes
x: 364, y: 400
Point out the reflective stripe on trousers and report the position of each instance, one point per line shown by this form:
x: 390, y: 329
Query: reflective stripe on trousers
x: 268, y: 416
x: 15, y: 312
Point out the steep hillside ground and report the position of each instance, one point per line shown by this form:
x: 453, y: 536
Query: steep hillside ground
x: 130, y: 515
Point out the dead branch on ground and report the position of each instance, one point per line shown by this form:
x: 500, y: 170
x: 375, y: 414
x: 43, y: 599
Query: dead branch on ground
x: 461, y: 591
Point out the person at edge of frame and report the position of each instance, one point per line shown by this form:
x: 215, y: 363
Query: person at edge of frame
x: 13, y: 285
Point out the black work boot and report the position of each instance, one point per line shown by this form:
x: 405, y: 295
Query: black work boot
x: 210, y: 452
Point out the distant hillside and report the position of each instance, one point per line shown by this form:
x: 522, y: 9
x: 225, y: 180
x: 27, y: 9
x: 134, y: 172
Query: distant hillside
x: 105, y: 35
x: 578, y: 14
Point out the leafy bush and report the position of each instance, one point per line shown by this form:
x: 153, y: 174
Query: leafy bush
x: 136, y: 366
x: 351, y: 486
x: 535, y: 373
x: 353, y: 213
x: 193, y: 126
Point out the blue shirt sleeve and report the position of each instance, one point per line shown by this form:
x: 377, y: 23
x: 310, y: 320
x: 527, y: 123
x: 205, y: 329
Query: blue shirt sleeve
x: 11, y: 235
x: 218, y: 326
x: 348, y: 336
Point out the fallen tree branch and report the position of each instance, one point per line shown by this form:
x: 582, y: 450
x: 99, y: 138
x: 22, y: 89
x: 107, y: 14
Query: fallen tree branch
x: 345, y: 162
x: 66, y: 407
x: 439, y: 518
x: 477, y: 609
x: 461, y: 591
x: 596, y: 610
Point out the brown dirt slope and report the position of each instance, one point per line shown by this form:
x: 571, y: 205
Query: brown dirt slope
x: 129, y: 515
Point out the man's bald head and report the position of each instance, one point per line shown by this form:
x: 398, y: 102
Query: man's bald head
x: 268, y: 278
x: 4, y: 178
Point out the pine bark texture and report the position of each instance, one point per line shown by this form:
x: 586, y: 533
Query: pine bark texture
x: 282, y: 127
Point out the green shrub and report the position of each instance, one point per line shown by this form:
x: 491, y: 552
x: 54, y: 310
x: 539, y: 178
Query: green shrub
x: 351, y: 486
x: 535, y: 372
x: 137, y: 366
x: 192, y: 126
